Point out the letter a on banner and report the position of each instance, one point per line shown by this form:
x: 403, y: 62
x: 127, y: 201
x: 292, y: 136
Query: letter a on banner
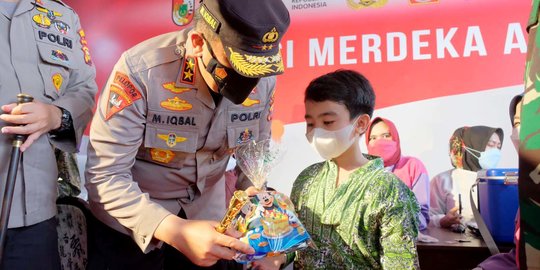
x: 182, y: 11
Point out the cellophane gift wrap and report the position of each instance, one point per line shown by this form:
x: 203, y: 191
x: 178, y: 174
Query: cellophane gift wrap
x: 267, y: 220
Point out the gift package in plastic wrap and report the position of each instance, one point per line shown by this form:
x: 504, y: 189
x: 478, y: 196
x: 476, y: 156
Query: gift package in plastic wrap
x: 267, y: 219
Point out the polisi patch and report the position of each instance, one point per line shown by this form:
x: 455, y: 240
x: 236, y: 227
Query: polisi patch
x: 122, y: 93
x: 55, y: 38
x: 123, y: 81
x: 245, y: 116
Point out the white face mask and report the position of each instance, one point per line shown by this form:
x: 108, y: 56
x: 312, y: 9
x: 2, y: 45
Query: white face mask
x: 487, y: 159
x: 331, y: 144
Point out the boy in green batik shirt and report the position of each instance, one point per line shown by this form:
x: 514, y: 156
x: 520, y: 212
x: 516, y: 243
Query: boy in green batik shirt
x: 359, y: 216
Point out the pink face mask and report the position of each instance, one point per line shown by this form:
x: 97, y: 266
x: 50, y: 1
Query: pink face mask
x: 383, y: 148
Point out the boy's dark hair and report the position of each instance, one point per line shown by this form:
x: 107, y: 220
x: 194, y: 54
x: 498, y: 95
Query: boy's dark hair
x: 346, y: 87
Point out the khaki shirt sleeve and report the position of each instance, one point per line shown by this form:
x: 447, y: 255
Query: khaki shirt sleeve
x: 116, y: 134
x: 79, y: 96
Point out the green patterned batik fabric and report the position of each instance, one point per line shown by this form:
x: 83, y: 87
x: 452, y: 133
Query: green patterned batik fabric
x: 368, y: 222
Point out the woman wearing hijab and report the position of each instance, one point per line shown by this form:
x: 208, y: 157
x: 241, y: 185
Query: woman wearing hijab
x: 507, y: 261
x: 382, y: 140
x: 471, y: 149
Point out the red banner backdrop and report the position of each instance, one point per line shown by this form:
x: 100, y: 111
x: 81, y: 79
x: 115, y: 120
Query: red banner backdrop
x: 410, y: 49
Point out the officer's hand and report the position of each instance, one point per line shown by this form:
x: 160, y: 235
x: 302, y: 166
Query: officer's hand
x: 252, y: 191
x: 199, y: 241
x: 32, y: 119
x: 269, y: 263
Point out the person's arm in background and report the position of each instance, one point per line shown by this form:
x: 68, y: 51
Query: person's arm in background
x: 442, y: 211
x: 420, y: 189
x: 437, y: 205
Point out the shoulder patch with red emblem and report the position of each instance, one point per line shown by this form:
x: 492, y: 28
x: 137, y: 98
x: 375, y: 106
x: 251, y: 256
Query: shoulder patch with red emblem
x: 122, y: 93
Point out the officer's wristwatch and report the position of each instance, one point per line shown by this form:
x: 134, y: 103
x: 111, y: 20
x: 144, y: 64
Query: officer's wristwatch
x: 65, y: 123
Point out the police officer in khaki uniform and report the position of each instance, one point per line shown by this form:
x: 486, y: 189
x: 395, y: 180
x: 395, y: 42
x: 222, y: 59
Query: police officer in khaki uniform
x: 170, y: 115
x: 44, y: 54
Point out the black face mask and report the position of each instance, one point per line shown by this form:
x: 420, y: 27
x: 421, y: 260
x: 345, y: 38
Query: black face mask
x: 231, y: 85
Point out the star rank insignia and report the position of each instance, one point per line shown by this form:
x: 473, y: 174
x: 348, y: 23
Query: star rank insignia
x: 188, y: 70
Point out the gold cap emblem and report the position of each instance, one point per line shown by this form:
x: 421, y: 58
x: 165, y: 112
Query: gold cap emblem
x: 271, y: 36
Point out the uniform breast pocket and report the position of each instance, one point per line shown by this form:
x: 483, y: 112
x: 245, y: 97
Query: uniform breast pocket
x: 168, y: 147
x: 238, y: 135
x: 55, y: 66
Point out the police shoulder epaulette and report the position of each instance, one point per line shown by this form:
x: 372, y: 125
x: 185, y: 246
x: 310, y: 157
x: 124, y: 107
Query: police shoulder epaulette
x: 147, y: 59
x: 155, y: 51
x: 60, y: 2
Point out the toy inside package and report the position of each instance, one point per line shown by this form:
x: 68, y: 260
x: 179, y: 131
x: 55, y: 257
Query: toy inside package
x: 266, y: 220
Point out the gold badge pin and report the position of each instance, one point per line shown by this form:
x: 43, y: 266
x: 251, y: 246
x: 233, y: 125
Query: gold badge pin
x: 171, y: 139
x: 57, y: 81
x: 250, y: 102
x: 271, y: 36
x: 161, y: 155
x: 173, y: 88
x: 41, y: 20
x: 176, y: 104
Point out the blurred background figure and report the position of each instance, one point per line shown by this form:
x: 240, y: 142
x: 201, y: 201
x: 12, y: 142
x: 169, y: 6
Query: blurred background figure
x: 471, y: 149
x: 507, y: 261
x: 382, y: 140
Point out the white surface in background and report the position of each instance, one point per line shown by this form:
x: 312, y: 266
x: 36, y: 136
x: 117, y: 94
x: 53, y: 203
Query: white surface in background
x: 424, y: 128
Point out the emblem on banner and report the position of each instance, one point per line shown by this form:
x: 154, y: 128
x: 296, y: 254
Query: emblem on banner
x: 182, y: 11
x: 161, y: 155
x: 415, y: 2
x: 176, y: 104
x: 57, y: 81
x: 177, y: 90
x: 171, y: 139
x: 359, y: 4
